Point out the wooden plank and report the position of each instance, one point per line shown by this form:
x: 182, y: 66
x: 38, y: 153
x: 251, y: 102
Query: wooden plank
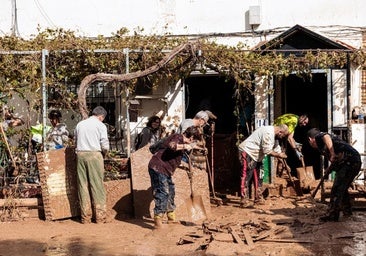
x: 248, y: 238
x: 57, y: 171
x: 20, y: 202
x: 223, y: 237
x: 236, y: 237
x: 288, y: 241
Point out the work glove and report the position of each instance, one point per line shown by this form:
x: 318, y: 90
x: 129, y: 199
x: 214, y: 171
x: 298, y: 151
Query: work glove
x: 299, y: 154
x: 298, y: 146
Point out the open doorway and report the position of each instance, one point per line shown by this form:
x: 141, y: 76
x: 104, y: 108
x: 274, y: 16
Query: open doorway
x: 299, y: 95
x: 215, y: 93
x: 212, y: 93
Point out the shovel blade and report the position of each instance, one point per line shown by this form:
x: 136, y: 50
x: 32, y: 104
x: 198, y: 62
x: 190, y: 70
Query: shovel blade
x: 195, y: 208
x: 306, y: 176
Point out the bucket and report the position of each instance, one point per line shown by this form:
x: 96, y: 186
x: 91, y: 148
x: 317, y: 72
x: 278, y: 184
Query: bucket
x: 266, y: 169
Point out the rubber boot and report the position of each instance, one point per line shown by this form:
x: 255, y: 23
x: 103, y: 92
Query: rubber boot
x: 333, y: 215
x: 171, y: 218
x: 158, y: 221
x: 244, y: 199
x: 259, y: 199
x: 244, y: 202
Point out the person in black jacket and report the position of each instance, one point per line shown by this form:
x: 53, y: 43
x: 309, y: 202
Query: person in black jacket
x: 345, y: 162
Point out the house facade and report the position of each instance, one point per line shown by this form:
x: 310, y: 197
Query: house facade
x: 328, y: 97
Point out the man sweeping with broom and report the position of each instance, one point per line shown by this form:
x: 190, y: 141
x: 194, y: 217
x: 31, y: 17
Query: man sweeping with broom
x: 345, y: 162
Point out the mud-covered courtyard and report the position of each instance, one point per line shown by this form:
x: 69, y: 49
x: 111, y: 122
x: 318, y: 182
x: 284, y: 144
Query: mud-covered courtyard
x: 283, y: 226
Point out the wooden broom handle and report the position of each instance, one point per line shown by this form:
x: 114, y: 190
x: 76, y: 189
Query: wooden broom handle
x: 7, y: 144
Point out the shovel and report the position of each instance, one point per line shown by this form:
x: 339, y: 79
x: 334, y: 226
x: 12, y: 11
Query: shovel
x: 305, y: 175
x: 294, y: 182
x: 195, y: 207
x: 326, y: 173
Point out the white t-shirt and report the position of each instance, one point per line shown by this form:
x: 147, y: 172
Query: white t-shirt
x: 260, y: 143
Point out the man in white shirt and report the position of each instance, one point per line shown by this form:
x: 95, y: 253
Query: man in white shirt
x: 252, y: 150
x: 92, y: 143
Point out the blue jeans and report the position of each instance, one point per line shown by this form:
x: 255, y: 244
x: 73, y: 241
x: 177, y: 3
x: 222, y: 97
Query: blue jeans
x: 163, y: 190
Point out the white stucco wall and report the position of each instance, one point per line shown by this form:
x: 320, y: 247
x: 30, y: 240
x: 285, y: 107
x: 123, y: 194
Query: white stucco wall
x: 93, y: 17
x: 339, y: 20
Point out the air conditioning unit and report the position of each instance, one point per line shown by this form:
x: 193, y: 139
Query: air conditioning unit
x: 254, y: 15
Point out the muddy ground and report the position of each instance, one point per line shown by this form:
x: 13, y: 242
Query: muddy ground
x: 283, y: 226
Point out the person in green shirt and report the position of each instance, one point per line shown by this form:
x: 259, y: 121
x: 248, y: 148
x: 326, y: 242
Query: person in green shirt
x: 292, y: 121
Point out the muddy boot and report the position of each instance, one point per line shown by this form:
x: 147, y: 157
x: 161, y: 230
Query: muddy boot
x: 347, y: 212
x: 101, y: 217
x: 244, y: 202
x: 347, y: 209
x: 158, y: 221
x: 259, y: 200
x: 171, y: 218
x: 333, y: 215
x: 85, y: 221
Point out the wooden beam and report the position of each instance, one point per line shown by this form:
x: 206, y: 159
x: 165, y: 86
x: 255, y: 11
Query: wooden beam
x: 28, y: 202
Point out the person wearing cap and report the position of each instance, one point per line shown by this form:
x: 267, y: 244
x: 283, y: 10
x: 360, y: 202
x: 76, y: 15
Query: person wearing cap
x: 199, y: 120
x: 58, y: 136
x: 92, y: 144
x: 292, y: 121
x: 162, y: 166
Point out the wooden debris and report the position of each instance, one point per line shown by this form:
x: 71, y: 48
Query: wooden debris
x: 269, y: 233
x: 287, y: 241
x: 185, y: 240
x: 248, y: 238
x: 283, y: 221
x: 212, y: 228
x: 236, y: 237
x: 223, y: 237
x: 340, y: 236
x: 28, y: 202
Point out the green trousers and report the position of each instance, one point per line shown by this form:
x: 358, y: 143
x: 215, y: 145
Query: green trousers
x: 91, y: 191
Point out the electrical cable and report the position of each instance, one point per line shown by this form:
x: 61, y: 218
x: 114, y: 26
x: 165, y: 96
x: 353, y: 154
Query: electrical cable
x: 43, y: 13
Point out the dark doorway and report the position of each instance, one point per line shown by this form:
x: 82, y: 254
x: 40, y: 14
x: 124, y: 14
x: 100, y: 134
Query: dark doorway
x: 215, y: 93
x: 306, y: 95
x: 300, y: 95
x: 212, y: 93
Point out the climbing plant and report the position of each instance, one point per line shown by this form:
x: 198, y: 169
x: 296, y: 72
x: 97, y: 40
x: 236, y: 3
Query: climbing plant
x: 74, y: 60
x: 71, y: 58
